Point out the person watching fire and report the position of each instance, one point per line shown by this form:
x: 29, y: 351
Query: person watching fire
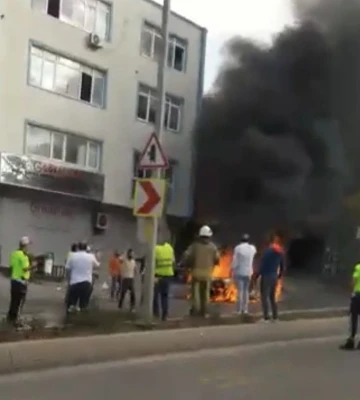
x: 272, y: 265
x: 201, y: 257
x: 354, y: 311
x: 242, y: 270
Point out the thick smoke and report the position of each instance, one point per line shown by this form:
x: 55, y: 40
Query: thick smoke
x: 279, y: 139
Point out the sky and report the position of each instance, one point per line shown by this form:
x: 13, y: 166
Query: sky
x: 257, y: 19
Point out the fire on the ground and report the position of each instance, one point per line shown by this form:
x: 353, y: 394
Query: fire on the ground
x: 223, y: 289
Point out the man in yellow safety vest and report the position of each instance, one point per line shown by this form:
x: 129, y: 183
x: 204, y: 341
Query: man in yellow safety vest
x: 164, y: 272
x: 354, y: 310
x: 20, y: 274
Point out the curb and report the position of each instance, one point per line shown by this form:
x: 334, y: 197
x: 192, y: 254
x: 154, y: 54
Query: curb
x: 292, y: 315
x: 38, y: 355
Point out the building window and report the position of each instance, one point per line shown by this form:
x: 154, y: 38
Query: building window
x: 63, y: 147
x: 151, y: 46
x: 138, y: 172
x: 70, y: 78
x: 147, y: 106
x: 151, y: 41
x: 177, y: 54
x: 92, y: 16
x: 172, y: 117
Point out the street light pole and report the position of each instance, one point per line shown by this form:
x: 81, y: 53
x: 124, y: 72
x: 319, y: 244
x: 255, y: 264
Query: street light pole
x: 159, y: 127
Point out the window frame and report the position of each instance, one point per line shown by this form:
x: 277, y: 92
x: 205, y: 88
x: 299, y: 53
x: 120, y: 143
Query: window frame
x: 155, y: 31
x: 52, y: 134
x: 149, y: 92
x: 53, y: 131
x: 82, y: 67
x: 181, y: 43
x: 105, y: 3
x: 171, y: 104
x: 98, y: 154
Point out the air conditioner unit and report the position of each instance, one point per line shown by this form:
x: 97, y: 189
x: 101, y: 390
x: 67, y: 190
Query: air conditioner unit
x: 95, y: 41
x: 101, y: 221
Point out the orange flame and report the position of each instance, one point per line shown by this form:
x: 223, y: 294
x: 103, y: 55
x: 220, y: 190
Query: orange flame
x: 224, y: 289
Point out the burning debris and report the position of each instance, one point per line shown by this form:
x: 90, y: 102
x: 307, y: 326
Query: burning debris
x: 277, y: 133
x: 223, y: 288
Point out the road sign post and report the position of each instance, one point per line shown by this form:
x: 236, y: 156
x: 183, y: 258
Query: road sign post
x: 150, y: 264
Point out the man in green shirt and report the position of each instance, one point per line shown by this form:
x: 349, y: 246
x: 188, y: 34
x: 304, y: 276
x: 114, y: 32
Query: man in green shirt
x: 20, y: 275
x: 354, y: 310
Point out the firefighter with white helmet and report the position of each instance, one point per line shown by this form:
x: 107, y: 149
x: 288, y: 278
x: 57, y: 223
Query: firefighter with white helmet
x: 205, y: 232
x: 200, y: 258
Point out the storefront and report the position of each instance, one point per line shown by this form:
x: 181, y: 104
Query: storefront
x: 56, y: 206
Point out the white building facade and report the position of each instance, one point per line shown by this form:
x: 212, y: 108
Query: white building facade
x: 77, y: 104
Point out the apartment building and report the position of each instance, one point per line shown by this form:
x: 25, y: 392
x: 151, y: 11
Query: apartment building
x: 77, y: 104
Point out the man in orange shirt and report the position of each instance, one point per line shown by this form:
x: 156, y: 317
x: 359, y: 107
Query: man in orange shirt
x: 114, y: 272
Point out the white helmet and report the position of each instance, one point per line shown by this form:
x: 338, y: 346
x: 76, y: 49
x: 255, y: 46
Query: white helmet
x: 25, y: 240
x: 205, y: 231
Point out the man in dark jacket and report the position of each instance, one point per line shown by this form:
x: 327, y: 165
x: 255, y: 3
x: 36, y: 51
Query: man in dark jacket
x: 270, y: 271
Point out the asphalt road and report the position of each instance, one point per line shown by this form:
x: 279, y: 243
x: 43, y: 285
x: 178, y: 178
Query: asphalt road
x: 306, y: 369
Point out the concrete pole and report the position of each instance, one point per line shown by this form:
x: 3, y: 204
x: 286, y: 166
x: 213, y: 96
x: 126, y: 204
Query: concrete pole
x: 159, y: 128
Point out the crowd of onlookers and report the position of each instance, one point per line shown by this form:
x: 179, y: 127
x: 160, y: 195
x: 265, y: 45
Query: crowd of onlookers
x: 199, y: 260
x: 82, y: 270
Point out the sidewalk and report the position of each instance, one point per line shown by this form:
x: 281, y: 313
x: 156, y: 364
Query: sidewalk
x: 46, y: 300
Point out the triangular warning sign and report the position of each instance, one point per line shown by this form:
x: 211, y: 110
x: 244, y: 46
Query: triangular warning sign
x: 153, y: 155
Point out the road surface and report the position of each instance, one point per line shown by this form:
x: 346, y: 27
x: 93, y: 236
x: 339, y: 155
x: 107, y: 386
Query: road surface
x: 306, y: 369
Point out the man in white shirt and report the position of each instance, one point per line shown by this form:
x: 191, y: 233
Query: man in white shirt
x: 242, y: 268
x: 80, y: 266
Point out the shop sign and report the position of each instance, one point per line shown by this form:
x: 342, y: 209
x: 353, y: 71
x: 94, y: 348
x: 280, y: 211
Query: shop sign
x: 50, y: 209
x: 24, y: 171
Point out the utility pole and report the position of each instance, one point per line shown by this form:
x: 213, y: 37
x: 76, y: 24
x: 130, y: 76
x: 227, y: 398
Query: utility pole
x: 159, y: 127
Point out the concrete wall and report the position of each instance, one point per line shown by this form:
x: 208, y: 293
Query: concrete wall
x: 116, y: 125
x: 53, y: 222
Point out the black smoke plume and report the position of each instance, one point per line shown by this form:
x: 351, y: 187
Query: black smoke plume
x: 278, y: 140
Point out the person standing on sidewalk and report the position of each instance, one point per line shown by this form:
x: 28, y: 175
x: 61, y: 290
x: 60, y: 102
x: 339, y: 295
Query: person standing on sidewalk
x: 115, y: 274
x: 164, y: 272
x: 128, y: 269
x: 242, y: 270
x: 20, y: 274
x: 80, y: 266
x: 271, y: 269
x: 200, y: 258
x: 354, y: 311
